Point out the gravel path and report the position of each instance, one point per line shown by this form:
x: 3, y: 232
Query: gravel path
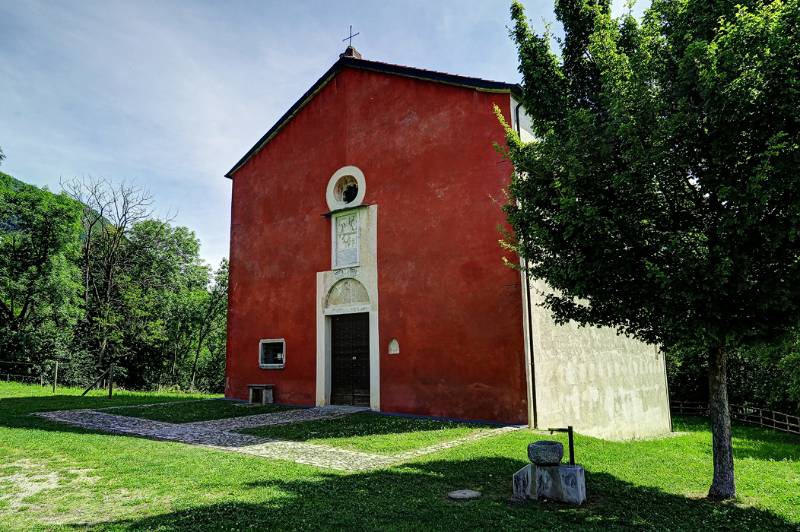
x: 219, y: 434
x: 277, y: 418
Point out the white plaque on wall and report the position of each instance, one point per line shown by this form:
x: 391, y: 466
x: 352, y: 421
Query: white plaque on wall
x: 345, y: 240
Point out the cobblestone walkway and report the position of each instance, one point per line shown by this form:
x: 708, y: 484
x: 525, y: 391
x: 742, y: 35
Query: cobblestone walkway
x: 219, y: 434
x: 277, y: 418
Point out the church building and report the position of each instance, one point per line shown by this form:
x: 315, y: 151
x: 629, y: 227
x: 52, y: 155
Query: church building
x: 365, y: 266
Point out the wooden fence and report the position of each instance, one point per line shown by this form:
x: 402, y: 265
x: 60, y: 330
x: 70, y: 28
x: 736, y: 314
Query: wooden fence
x: 43, y: 373
x: 47, y: 373
x: 747, y: 414
x: 12, y: 370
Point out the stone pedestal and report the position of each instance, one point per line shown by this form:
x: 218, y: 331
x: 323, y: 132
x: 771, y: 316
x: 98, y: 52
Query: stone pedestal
x: 563, y: 483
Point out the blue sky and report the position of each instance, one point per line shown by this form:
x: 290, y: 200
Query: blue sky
x: 170, y: 94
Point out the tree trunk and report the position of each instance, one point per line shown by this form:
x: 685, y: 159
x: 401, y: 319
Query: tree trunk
x: 722, y: 487
x: 194, y: 364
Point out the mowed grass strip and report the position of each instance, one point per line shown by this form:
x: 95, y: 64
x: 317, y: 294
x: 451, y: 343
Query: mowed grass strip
x: 192, y: 411
x: 372, y: 433
x: 54, y: 476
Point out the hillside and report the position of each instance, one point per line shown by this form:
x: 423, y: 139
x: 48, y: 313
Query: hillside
x: 10, y: 182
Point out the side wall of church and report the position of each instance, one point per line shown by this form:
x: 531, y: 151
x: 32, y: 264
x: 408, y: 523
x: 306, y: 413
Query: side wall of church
x: 450, y: 311
x: 602, y: 383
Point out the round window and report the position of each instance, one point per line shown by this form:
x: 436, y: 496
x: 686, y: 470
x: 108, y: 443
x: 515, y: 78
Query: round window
x: 346, y: 189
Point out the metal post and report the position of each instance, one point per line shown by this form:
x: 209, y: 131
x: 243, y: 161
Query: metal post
x: 571, y: 446
x: 570, y: 435
x: 55, y: 376
x: 110, y: 380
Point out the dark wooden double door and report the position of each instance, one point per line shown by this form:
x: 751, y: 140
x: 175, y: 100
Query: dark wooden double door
x: 350, y: 359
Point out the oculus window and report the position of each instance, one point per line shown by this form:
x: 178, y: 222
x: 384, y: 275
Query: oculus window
x: 272, y: 353
x: 346, y: 190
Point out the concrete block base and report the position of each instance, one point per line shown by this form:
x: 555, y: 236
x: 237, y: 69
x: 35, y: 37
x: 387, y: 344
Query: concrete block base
x: 565, y: 483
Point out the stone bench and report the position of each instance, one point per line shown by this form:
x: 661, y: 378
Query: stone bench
x: 261, y: 393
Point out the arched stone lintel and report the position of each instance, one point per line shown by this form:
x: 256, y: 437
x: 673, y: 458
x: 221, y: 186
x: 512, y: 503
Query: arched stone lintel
x: 347, y: 293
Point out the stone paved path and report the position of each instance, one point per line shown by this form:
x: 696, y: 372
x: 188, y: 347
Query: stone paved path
x: 219, y: 434
x: 277, y: 418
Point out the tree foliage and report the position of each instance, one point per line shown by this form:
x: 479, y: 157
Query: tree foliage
x: 90, y: 277
x: 39, y: 240
x: 660, y: 195
x: 764, y: 374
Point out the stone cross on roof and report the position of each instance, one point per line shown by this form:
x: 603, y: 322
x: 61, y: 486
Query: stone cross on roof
x: 350, y: 37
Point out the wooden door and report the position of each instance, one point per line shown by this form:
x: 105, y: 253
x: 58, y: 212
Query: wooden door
x: 350, y: 359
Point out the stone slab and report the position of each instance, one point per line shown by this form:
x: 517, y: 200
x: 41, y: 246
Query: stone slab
x: 521, y: 483
x: 464, y: 495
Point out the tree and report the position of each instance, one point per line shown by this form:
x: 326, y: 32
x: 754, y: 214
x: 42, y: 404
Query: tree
x: 39, y: 237
x: 109, y: 213
x: 89, y: 276
x: 213, y: 313
x: 162, y: 294
x: 661, y: 194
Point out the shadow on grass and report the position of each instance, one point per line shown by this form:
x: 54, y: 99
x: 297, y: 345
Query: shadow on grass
x: 411, y: 496
x: 414, y: 497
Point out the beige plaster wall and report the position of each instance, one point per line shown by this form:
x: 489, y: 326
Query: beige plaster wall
x: 603, y: 384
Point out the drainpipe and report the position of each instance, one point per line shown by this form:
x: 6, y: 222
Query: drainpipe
x: 530, y: 313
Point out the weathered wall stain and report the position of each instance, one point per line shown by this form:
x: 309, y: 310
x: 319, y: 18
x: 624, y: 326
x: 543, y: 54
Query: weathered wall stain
x: 602, y: 383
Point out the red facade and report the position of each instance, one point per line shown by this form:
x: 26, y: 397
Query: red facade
x: 426, y: 150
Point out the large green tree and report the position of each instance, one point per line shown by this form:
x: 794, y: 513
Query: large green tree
x: 110, y: 211
x: 93, y: 279
x: 163, y: 290
x: 39, y: 240
x: 150, y: 308
x: 661, y: 195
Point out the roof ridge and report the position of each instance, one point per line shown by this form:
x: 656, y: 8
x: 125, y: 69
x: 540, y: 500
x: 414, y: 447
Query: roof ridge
x: 428, y: 71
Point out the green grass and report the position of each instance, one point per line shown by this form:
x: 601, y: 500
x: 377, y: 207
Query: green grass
x: 373, y: 433
x: 189, y: 411
x: 54, y: 476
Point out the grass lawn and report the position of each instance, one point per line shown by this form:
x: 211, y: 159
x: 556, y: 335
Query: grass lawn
x: 201, y: 410
x: 372, y: 433
x: 55, y: 476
